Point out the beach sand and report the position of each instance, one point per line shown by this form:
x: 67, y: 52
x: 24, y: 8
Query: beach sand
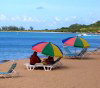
x: 73, y: 74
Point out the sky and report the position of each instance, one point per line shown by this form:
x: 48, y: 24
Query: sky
x: 48, y: 14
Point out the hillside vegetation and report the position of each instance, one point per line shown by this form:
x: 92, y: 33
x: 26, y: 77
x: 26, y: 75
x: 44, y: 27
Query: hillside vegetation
x: 95, y: 27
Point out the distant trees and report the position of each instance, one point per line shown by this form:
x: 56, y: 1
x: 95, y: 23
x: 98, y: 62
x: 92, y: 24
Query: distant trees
x: 9, y: 28
x: 21, y: 28
x: 96, y: 24
x: 46, y: 29
x: 12, y: 28
x: 95, y: 27
x: 31, y: 28
x: 76, y: 27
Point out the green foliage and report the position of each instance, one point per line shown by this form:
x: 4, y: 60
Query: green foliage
x: 95, y: 27
x: 46, y: 29
x: 21, y: 29
x: 31, y: 28
x: 9, y: 28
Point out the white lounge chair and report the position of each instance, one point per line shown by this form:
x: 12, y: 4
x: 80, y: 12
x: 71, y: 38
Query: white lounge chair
x: 29, y: 67
x: 56, y: 64
x: 48, y: 67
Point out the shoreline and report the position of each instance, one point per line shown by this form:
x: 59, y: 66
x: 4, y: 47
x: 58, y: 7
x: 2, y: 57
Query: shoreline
x: 52, y: 32
x: 3, y: 61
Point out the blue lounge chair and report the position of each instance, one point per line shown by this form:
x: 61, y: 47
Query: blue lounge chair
x: 82, y: 53
x: 9, y: 72
x: 68, y: 52
x: 94, y: 51
x: 75, y: 55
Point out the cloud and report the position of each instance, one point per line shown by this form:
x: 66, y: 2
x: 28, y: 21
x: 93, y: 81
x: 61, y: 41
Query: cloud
x: 2, y: 17
x: 94, y: 21
x: 40, y: 7
x: 74, y: 17
x: 71, y: 18
x: 57, y: 19
x: 66, y: 19
x: 27, y: 19
x: 18, y: 18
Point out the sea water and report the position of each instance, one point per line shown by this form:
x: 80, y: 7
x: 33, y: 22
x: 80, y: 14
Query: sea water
x: 18, y: 45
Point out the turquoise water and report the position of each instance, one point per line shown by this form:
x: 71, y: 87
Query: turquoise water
x: 18, y: 45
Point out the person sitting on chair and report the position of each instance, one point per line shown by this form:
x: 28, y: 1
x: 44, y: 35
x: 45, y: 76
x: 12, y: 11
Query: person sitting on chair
x: 49, y: 60
x: 34, y: 59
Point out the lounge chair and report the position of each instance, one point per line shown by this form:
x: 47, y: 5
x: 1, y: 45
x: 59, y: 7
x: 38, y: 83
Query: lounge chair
x: 94, y: 51
x: 9, y: 72
x: 82, y: 53
x: 68, y: 52
x: 75, y: 55
x: 48, y: 67
x: 56, y: 64
x: 29, y: 67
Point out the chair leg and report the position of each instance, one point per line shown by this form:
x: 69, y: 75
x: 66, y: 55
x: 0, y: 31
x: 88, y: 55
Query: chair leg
x: 47, y: 68
x: 30, y: 67
x: 1, y: 75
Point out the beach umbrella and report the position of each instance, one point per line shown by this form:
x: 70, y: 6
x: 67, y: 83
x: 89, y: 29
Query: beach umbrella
x: 48, y: 49
x: 75, y: 46
x: 76, y: 42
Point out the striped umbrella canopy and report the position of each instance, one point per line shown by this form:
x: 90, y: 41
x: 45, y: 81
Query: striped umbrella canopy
x: 76, y: 42
x: 48, y: 49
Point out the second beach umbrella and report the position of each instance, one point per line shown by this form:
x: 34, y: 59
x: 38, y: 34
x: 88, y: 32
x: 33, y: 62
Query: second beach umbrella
x: 76, y: 42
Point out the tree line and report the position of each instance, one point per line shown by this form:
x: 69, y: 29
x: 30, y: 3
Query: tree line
x: 95, y: 27
x: 15, y: 28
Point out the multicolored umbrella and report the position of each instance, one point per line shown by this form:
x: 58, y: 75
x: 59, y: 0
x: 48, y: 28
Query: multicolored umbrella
x: 48, y: 49
x: 76, y: 42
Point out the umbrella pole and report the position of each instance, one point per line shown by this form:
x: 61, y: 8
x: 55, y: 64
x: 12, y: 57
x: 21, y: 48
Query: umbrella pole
x: 75, y: 50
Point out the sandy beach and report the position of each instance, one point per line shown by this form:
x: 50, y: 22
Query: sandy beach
x: 73, y: 74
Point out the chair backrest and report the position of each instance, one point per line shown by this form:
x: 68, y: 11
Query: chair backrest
x: 82, y: 52
x: 12, y: 67
x: 97, y: 49
x: 68, y: 52
x: 57, y: 60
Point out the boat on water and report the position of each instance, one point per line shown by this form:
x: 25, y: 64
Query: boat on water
x: 83, y: 34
